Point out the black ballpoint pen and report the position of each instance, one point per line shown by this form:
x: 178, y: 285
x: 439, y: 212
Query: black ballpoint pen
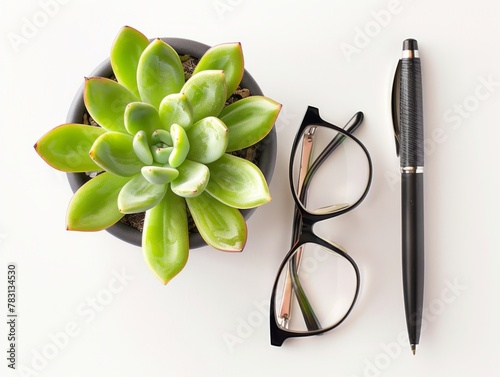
x: 408, y: 126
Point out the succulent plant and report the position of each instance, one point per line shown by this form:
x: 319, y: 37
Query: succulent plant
x: 164, y: 146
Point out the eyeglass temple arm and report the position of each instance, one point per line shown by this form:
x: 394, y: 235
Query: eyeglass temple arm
x: 310, y: 319
x: 305, y: 174
x: 305, y: 159
x: 308, y: 314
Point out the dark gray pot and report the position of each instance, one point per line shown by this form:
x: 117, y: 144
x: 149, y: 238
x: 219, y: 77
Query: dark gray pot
x: 267, y: 147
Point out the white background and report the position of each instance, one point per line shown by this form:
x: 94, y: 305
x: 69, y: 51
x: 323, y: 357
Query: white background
x: 212, y: 319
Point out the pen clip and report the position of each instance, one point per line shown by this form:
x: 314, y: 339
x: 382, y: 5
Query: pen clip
x: 395, y: 105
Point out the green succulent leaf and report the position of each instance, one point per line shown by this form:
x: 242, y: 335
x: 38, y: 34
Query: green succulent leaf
x: 161, y: 155
x: 139, y: 195
x: 66, y: 147
x: 206, y: 93
x: 249, y: 121
x: 94, y: 206
x: 227, y: 57
x: 141, y: 148
x: 221, y: 226
x: 165, y: 237
x: 192, y: 180
x: 209, y: 138
x: 162, y: 136
x: 114, y: 152
x: 237, y: 183
x: 181, y: 145
x: 105, y: 101
x: 140, y: 116
x: 175, y: 108
x: 159, y: 72
x: 159, y: 175
x: 125, y: 53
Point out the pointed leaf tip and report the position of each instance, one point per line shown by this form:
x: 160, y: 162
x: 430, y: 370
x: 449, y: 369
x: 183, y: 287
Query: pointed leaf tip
x: 66, y: 147
x: 165, y: 238
x: 126, y: 51
x: 249, y: 120
x: 237, y: 183
x: 227, y: 57
x: 159, y: 72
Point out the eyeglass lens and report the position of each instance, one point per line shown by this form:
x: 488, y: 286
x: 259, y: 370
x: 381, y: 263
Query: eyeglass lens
x: 340, y: 180
x: 328, y: 284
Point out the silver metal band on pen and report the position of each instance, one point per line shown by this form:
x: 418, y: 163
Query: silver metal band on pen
x: 412, y: 169
x: 410, y: 54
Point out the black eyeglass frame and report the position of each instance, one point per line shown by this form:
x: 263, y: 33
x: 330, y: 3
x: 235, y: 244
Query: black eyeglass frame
x: 304, y: 222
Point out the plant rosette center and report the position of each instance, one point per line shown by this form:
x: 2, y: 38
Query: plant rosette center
x: 164, y: 147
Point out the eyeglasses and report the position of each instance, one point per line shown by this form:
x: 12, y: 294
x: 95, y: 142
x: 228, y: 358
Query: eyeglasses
x: 318, y: 281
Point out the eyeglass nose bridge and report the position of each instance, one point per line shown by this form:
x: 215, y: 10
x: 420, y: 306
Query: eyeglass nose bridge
x: 307, y: 225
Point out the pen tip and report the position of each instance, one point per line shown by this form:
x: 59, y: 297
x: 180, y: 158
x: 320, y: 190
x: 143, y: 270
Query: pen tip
x: 414, y: 349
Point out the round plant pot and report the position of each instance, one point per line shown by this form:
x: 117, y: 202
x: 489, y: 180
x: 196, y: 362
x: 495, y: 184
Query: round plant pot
x: 267, y: 147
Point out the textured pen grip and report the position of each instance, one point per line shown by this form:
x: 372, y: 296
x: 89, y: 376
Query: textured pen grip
x: 411, y: 113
